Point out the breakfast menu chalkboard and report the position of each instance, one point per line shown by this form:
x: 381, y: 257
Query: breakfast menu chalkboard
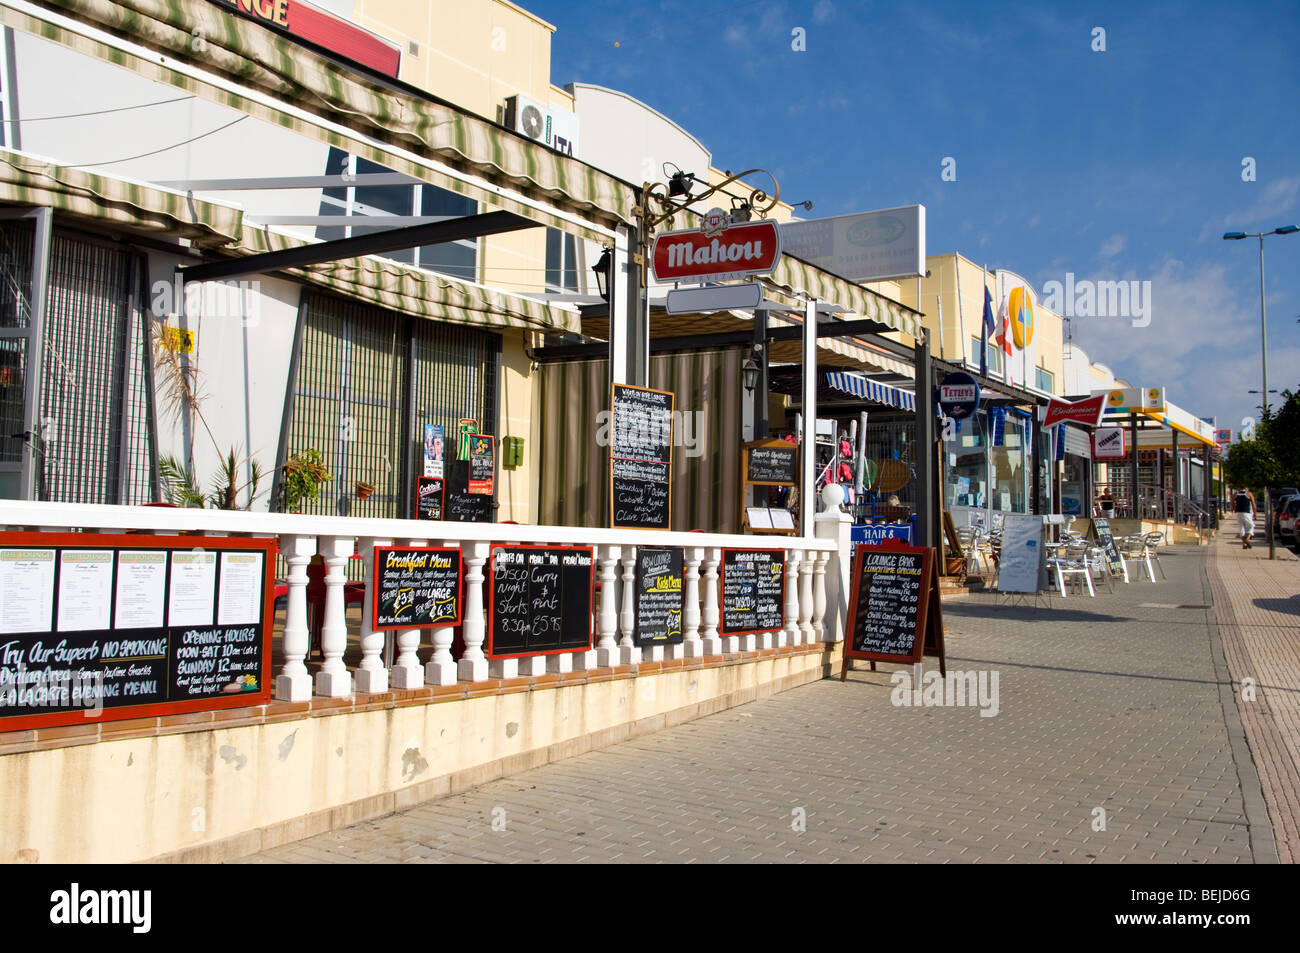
x: 540, y: 600
x: 104, y: 627
x: 640, y: 457
x: 416, y: 587
x: 428, y: 498
x: 753, y: 584
x: 894, y: 613
x: 660, y: 598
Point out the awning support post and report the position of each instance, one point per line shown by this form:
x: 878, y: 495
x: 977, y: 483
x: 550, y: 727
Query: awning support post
x: 927, y: 516
x: 808, y: 451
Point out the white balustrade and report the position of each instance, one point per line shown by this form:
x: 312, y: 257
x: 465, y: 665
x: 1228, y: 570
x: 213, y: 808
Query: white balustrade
x: 806, y: 598
x: 334, y: 680
x: 792, y: 632
x: 819, y: 597
x: 709, y: 637
x: 293, y: 684
x: 691, y: 646
x: 628, y: 651
x: 371, y: 676
x: 407, y: 672
x: 473, y: 664
x: 441, y: 667
x: 607, y: 652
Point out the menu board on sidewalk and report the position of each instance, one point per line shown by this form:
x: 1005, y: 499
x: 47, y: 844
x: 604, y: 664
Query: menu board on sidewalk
x: 640, y: 457
x: 104, y: 627
x: 660, y: 598
x: 1114, y: 561
x: 428, y: 498
x: 1021, y: 559
x: 540, y: 600
x: 894, y: 612
x: 416, y: 587
x: 753, y: 586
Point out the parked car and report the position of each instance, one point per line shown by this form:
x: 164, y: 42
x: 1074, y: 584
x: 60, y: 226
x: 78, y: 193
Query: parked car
x: 1286, y: 525
x: 1281, y: 497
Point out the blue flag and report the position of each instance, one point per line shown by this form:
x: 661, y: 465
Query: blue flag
x: 986, y: 327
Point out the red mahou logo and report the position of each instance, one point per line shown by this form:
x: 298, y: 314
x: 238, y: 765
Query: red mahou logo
x: 751, y: 248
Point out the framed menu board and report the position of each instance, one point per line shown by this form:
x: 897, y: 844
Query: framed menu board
x: 770, y: 462
x: 540, y: 600
x: 416, y: 587
x: 753, y: 586
x: 894, y: 612
x: 640, y: 457
x: 482, y: 464
x: 100, y: 627
x: 660, y: 598
x: 428, y: 498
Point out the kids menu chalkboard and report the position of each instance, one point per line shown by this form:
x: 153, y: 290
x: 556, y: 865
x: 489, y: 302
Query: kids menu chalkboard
x: 104, y: 627
x: 428, y: 498
x: 416, y: 587
x: 753, y: 584
x: 660, y: 598
x: 889, y: 601
x: 541, y: 600
x: 640, y: 457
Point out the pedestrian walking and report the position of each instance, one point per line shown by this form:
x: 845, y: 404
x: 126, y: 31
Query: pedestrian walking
x: 1244, y: 505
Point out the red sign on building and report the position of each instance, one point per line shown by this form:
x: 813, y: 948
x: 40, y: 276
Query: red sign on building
x: 1087, y: 412
x: 737, y: 251
x: 324, y: 29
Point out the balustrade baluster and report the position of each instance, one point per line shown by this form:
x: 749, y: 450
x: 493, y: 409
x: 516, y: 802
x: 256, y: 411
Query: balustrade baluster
x: 712, y: 643
x: 407, y: 672
x: 473, y: 664
x: 293, y: 684
x: 691, y: 646
x: 819, y: 597
x: 628, y: 651
x: 371, y: 676
x: 792, y: 632
x: 607, y: 650
x: 806, y: 560
x: 334, y: 680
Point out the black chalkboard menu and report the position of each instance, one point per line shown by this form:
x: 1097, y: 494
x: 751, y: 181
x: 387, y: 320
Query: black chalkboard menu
x: 97, y: 627
x: 640, y: 457
x: 416, y: 587
x: 540, y: 600
x: 753, y: 587
x: 1114, y: 561
x: 894, y: 613
x: 772, y: 463
x: 660, y: 598
x: 459, y: 504
x: 428, y: 498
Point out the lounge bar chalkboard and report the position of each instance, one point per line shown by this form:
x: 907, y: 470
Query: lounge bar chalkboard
x: 98, y: 627
x: 416, y: 587
x: 660, y: 598
x: 640, y: 457
x: 753, y: 586
x: 540, y: 600
x: 458, y: 504
x: 894, y: 613
x: 428, y: 498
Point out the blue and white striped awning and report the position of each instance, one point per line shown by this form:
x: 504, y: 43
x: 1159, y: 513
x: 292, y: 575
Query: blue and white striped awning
x: 868, y: 389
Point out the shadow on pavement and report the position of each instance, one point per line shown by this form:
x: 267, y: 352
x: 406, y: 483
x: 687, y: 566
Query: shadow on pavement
x: 1025, y: 613
x: 1289, y: 606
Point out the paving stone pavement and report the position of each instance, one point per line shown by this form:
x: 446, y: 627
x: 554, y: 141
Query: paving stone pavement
x: 1111, y: 708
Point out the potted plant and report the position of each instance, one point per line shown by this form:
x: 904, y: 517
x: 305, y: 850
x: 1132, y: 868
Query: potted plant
x: 364, y: 489
x: 301, y: 477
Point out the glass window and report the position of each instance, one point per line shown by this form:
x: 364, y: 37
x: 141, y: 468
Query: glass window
x: 1044, y: 380
x: 561, y: 261
x: 994, y: 355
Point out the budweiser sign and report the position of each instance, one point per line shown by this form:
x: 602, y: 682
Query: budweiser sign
x: 1086, y: 412
x: 750, y: 248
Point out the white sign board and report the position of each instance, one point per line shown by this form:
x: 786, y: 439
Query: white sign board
x: 744, y: 297
x: 867, y: 246
x: 1108, y: 442
x: 1020, y: 563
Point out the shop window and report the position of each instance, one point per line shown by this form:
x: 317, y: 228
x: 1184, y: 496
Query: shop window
x: 458, y: 259
x: 994, y: 355
x: 367, y: 382
x: 1044, y: 380
x: 561, y: 261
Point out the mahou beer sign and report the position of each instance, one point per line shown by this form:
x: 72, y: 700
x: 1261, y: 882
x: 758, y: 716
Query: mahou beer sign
x: 717, y: 252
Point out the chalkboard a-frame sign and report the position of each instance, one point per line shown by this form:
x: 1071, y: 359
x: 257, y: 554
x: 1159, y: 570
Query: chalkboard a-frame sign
x: 894, y: 611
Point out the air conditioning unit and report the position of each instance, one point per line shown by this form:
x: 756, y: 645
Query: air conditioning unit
x: 554, y: 128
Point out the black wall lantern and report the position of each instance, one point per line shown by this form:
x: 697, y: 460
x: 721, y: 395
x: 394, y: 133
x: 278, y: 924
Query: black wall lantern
x: 601, y: 268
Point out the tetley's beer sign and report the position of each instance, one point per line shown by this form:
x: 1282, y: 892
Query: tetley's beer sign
x: 718, y: 251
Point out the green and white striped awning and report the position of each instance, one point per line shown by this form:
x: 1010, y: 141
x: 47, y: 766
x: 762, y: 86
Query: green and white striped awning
x: 240, y: 64
x: 32, y: 180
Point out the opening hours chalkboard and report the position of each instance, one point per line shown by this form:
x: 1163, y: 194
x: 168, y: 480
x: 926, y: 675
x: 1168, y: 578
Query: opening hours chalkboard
x: 104, y: 627
x: 540, y: 600
x: 416, y: 587
x: 428, y: 498
x: 640, y: 457
x: 753, y: 585
x: 660, y: 598
x: 894, y: 612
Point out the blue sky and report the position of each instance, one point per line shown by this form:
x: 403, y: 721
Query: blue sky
x: 1125, y: 163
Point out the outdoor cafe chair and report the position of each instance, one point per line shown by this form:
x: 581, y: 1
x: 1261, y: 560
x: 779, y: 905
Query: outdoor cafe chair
x: 1069, y: 561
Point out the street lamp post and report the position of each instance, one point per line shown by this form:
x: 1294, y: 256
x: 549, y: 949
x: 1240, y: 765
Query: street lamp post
x: 1263, y: 342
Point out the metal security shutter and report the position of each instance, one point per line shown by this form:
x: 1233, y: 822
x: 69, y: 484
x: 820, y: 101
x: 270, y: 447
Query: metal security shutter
x: 95, y: 391
x: 367, y: 381
x: 15, y: 282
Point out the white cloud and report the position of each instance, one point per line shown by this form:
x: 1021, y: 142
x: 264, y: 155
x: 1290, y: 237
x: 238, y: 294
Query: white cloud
x: 1111, y: 247
x: 1274, y: 205
x: 736, y: 35
x: 823, y: 10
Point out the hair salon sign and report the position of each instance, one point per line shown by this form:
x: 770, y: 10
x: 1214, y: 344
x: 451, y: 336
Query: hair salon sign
x: 719, y: 252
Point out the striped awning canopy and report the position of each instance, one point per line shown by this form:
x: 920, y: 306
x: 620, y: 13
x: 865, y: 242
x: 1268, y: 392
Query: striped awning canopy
x: 868, y: 389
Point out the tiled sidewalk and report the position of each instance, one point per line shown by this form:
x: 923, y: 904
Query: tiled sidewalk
x: 1257, y: 602
x: 1114, y: 708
